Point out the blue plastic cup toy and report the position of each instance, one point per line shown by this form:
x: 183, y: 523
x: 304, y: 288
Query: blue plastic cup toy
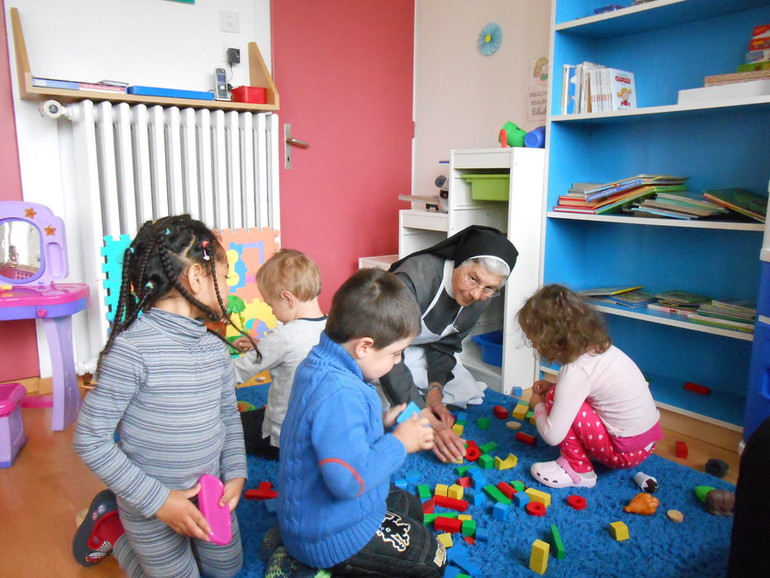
x: 535, y: 139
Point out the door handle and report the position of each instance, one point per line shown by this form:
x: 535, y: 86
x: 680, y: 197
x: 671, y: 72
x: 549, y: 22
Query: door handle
x: 298, y: 143
x: 291, y: 142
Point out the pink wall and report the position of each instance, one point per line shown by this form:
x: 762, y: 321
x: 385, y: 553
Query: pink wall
x: 344, y: 73
x: 20, y: 359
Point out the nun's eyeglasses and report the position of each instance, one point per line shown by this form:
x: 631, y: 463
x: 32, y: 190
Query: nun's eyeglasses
x: 473, y: 283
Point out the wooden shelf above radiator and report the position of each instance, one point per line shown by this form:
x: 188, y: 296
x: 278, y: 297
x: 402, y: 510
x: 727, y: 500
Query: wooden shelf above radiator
x: 259, y: 76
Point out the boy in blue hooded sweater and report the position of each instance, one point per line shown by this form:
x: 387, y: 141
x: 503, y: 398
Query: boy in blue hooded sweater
x: 336, y: 506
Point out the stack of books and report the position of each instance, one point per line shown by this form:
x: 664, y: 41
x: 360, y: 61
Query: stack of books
x: 625, y: 295
x: 678, y: 302
x: 608, y: 198
x: 739, y: 201
x: 732, y: 313
x: 101, y: 86
x: 758, y: 56
x: 590, y: 87
x: 679, y: 205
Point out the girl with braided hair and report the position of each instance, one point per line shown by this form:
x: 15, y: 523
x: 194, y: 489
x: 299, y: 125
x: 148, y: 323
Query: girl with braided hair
x: 166, y: 384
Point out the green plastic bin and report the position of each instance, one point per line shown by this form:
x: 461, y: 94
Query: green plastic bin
x: 488, y: 187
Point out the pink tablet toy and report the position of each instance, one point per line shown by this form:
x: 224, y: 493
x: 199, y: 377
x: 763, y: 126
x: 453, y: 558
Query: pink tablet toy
x: 217, y: 516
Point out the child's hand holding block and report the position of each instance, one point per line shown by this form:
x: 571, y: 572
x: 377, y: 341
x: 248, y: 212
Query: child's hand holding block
x: 217, y: 516
x: 410, y: 410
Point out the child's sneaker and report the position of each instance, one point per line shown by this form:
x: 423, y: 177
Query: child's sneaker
x: 559, y: 474
x: 87, y: 547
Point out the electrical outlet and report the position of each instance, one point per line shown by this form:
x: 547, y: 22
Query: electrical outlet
x: 228, y: 21
x: 233, y: 56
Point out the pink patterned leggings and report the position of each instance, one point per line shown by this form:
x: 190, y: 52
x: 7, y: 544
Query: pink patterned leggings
x: 588, y: 440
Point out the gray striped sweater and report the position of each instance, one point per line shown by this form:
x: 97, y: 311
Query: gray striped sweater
x: 167, y: 387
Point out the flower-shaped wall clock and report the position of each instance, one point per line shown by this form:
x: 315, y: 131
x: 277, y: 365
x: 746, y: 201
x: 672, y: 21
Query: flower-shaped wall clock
x: 490, y: 38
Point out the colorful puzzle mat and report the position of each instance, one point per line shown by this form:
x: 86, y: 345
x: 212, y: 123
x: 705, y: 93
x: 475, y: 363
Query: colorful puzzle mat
x: 246, y: 251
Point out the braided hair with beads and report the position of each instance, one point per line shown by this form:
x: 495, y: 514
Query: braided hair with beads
x: 159, y: 253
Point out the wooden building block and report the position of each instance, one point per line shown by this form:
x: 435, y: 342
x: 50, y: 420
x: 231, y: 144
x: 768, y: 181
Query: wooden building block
x: 538, y: 558
x: 619, y: 531
x: 538, y: 496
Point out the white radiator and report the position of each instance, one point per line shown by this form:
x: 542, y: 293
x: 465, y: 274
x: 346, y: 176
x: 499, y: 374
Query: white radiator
x: 138, y: 162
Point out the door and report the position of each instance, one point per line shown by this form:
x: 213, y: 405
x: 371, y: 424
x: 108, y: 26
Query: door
x: 344, y: 73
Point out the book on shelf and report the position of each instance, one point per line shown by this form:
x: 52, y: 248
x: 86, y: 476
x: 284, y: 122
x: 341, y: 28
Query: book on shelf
x: 735, y: 306
x: 622, y: 89
x: 689, y: 198
x: 605, y: 291
x: 633, y: 299
x: 655, y: 212
x: 76, y: 85
x: 679, y: 298
x: 635, y: 194
x: 607, y: 189
x: 741, y: 201
x: 717, y: 79
x: 682, y: 208
x: 671, y: 309
x: 721, y: 323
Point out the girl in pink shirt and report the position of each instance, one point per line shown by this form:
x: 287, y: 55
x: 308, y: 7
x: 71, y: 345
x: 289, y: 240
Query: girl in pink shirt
x: 600, y: 407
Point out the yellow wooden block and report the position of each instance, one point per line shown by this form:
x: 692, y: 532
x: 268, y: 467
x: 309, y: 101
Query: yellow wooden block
x: 619, y: 531
x: 520, y: 411
x: 455, y: 491
x: 446, y: 539
x: 441, y: 490
x: 464, y: 517
x: 506, y: 464
x: 532, y: 420
x: 538, y: 558
x: 538, y: 496
x: 458, y: 429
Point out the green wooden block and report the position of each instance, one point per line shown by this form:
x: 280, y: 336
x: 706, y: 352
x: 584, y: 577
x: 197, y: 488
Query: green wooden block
x: 518, y: 485
x: 486, y: 462
x: 483, y: 423
x: 558, y: 545
x: 462, y: 469
x: 488, y: 447
x: 428, y: 519
x: 423, y: 490
x: 469, y: 528
x: 492, y: 491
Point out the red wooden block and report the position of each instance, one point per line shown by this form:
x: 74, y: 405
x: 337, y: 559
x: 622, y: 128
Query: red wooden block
x: 500, y: 412
x: 472, y: 451
x: 452, y: 525
x: 577, y: 502
x: 535, y: 509
x: 526, y: 438
x: 427, y: 506
x: 506, y: 489
x: 465, y: 482
x: 697, y: 388
x: 451, y: 503
x: 263, y: 492
x: 681, y: 450
x: 470, y: 540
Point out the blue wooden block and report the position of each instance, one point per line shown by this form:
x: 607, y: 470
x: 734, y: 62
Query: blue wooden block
x: 410, y: 410
x: 271, y: 505
x: 521, y: 498
x: 482, y: 534
x: 500, y: 511
x: 401, y: 483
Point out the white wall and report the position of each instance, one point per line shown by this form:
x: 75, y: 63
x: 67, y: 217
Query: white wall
x: 144, y: 42
x: 462, y: 98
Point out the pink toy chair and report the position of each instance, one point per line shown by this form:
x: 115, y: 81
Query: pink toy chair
x: 12, y: 437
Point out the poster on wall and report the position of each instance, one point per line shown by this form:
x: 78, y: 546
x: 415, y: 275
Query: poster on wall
x: 537, y: 89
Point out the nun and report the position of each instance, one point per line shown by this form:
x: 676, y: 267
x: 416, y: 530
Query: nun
x: 454, y: 282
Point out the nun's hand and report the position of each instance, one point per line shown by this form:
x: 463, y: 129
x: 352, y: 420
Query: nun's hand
x: 448, y: 446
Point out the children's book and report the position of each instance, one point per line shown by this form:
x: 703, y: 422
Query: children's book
x: 635, y: 298
x: 603, y: 291
x: 741, y: 201
x: 663, y: 308
x: 631, y: 195
x: 721, y: 323
x: 679, y: 297
x: 622, y: 89
x: 635, y: 181
x: 681, y: 208
x: 655, y: 212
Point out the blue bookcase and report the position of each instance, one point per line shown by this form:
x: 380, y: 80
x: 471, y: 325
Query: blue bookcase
x: 669, y: 45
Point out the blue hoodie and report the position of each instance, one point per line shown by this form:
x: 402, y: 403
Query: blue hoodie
x: 336, y: 461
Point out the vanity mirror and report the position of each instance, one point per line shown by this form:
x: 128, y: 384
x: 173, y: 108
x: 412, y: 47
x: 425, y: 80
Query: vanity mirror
x: 31, y: 244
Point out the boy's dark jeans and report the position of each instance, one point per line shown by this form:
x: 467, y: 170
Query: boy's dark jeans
x: 402, y: 547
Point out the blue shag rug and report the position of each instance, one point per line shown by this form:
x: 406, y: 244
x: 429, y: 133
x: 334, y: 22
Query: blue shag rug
x: 697, y: 547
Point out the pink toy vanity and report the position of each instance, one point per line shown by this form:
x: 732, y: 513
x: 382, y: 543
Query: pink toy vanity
x: 33, y: 254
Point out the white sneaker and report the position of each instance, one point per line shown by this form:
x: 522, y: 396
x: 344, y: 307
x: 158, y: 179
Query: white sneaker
x: 554, y: 475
